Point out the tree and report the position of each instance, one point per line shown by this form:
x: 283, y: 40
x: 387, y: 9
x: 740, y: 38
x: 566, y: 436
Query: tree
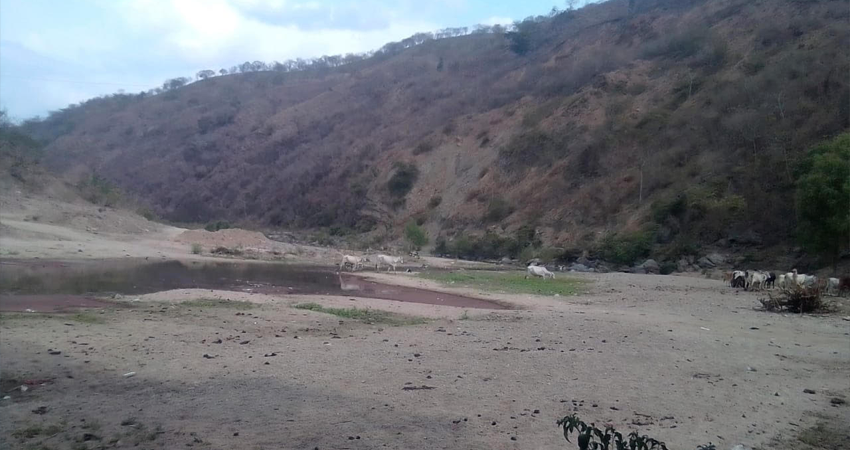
x: 823, y: 198
x: 222, y: 72
x: 415, y: 235
x: 204, y: 74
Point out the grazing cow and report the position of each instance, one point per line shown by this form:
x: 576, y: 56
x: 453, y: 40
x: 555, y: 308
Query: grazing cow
x: 781, y: 281
x: 539, y: 271
x: 739, y: 279
x: 389, y: 261
x: 355, y: 261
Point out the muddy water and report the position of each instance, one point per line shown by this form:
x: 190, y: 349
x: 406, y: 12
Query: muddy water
x: 46, y: 286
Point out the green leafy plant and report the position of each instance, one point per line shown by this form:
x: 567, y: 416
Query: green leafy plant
x: 415, y: 235
x: 592, y: 438
x: 197, y: 249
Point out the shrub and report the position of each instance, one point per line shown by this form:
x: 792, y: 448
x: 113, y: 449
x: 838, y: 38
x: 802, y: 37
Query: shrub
x: 677, y: 45
x: 823, y: 197
x: 435, y: 201
x: 197, y: 249
x: 441, y: 247
x: 532, y: 148
x: 423, y: 147
x: 626, y: 248
x: 668, y: 267
x: 403, y: 179
x: 227, y: 251
x: 415, y: 235
x: 218, y: 225
x: 99, y: 190
x: 497, y: 210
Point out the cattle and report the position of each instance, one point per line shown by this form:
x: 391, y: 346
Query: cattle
x: 770, y: 282
x: 539, y: 271
x: 354, y: 261
x: 389, y: 261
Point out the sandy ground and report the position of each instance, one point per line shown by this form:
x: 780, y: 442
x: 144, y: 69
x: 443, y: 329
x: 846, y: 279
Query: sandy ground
x: 686, y: 360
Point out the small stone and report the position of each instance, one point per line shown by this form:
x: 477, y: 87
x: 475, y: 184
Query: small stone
x: 837, y: 401
x: 513, y: 438
x: 536, y: 411
x: 236, y: 433
x: 494, y: 423
x: 809, y: 391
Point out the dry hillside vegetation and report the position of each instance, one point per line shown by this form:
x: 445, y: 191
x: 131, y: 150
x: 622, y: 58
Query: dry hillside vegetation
x: 690, y: 115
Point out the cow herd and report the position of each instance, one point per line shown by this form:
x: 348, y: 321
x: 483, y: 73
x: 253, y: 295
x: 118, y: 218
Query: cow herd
x: 356, y: 262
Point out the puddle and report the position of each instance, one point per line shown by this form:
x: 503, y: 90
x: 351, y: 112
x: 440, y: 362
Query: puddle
x: 50, y: 286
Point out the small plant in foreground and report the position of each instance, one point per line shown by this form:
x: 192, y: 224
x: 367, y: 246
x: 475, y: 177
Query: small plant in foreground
x: 592, y: 438
x: 197, y: 249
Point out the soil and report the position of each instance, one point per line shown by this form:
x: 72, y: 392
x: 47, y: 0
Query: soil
x: 683, y: 359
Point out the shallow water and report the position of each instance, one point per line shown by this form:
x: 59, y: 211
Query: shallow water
x: 54, y: 285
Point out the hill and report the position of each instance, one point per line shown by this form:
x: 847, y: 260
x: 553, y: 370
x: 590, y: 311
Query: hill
x: 678, y: 125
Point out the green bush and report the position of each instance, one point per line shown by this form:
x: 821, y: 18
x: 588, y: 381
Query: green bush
x: 668, y: 267
x: 626, y: 249
x: 403, y: 179
x: 197, y: 249
x: 497, y: 210
x: 823, y: 197
x: 435, y: 201
x: 218, y: 225
x: 415, y: 235
x: 99, y: 190
x: 441, y: 247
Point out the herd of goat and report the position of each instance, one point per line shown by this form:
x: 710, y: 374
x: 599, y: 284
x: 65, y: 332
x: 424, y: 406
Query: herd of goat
x: 750, y: 280
x: 757, y: 280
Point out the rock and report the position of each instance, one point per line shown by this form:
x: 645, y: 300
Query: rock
x: 651, y: 266
x: 129, y: 374
x: 41, y: 410
x: 91, y: 437
x: 705, y: 263
x: 741, y: 447
x: 748, y: 237
x: 576, y: 267
x: 716, y: 258
x: 837, y: 401
x: 683, y: 265
x: 583, y: 260
x: 54, y: 352
x: 809, y: 391
x: 638, y: 270
x: 117, y: 296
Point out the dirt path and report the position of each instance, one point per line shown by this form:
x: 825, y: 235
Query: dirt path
x: 683, y: 359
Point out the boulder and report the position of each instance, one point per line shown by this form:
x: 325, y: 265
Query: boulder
x: 716, y: 258
x: 584, y: 261
x: 705, y: 263
x: 650, y: 266
x: 683, y: 265
x: 638, y: 270
x: 576, y: 267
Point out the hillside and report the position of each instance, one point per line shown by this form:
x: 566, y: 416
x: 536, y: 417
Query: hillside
x: 682, y: 123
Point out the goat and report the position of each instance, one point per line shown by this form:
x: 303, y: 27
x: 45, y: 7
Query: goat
x: 389, y: 261
x: 739, y: 278
x: 843, y: 285
x: 832, y: 286
x: 539, y: 271
x: 770, y: 282
x: 757, y: 279
x: 355, y: 261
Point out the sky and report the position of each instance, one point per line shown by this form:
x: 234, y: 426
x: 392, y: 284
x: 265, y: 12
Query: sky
x: 54, y: 53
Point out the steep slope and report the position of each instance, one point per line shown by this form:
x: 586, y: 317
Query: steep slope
x: 689, y: 115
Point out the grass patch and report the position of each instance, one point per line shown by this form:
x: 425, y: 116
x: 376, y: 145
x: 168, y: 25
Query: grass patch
x: 364, y: 315
x: 32, y: 431
x: 511, y: 282
x: 217, y: 303
x: 81, y: 317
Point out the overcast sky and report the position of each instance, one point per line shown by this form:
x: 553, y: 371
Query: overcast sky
x: 57, y: 52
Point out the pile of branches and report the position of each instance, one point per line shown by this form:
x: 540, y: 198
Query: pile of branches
x: 795, y: 299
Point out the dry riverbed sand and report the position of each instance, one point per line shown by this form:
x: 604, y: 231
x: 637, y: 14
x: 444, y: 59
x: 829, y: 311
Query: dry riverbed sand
x: 686, y: 360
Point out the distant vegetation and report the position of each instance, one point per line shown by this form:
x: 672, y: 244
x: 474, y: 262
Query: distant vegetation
x: 698, y: 131
x: 99, y: 190
x: 512, y: 282
x: 415, y: 235
x: 371, y: 316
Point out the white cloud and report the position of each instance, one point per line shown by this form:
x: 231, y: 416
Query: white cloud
x: 497, y: 21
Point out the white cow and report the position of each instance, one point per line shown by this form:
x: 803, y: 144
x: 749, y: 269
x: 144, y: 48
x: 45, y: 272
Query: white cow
x: 781, y: 281
x: 355, y: 261
x: 389, y: 261
x: 539, y: 271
